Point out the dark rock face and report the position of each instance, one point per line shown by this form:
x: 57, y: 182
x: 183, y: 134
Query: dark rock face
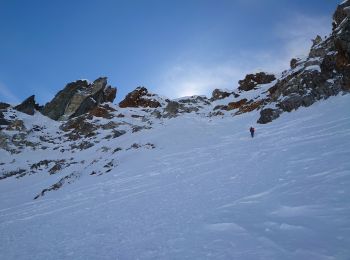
x: 267, y: 115
x: 3, y: 121
x: 293, y: 63
x: 27, y: 106
x: 252, y: 80
x: 139, y: 98
x: 340, y: 14
x: 172, y: 108
x: 342, y: 47
x: 78, y: 98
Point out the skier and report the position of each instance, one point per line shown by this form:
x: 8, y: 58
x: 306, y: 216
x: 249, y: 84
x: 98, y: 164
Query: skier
x: 252, y: 130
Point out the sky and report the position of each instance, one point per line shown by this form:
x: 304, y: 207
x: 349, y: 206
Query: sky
x: 174, y: 48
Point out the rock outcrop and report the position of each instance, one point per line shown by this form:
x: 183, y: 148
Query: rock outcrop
x: 79, y: 97
x: 268, y: 114
x: 140, y: 98
x: 221, y: 94
x: 252, y: 80
x: 28, y: 106
x: 185, y: 105
x: 324, y: 73
x: 340, y: 14
x: 237, y: 104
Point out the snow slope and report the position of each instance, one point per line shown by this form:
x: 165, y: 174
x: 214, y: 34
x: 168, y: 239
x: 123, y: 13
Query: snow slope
x: 207, y: 191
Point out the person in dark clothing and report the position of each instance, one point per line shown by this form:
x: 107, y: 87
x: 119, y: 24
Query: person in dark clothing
x: 252, y: 130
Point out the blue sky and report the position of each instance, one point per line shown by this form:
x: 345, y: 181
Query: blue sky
x: 174, y: 48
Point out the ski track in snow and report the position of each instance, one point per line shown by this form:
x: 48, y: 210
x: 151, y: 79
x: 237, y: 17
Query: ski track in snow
x: 207, y: 191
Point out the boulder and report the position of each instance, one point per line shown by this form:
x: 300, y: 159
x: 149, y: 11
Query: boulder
x: 172, y: 108
x: 252, y: 80
x: 27, y: 106
x: 290, y: 103
x: 78, y: 98
x: 267, y: 115
x: 139, y: 98
x: 293, y: 63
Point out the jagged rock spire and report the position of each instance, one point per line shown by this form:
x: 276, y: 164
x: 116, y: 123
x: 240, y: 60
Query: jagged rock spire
x: 79, y: 97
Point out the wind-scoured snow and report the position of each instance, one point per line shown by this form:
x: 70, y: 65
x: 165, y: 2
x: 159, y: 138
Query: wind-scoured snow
x: 207, y: 191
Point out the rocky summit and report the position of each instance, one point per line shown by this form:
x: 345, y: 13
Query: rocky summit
x: 78, y: 98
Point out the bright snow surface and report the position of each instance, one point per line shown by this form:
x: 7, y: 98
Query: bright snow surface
x: 207, y: 191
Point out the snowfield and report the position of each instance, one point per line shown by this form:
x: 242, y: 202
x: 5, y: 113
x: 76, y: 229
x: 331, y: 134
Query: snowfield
x: 206, y: 191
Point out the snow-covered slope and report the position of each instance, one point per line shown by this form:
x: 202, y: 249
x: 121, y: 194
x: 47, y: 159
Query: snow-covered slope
x: 194, y: 187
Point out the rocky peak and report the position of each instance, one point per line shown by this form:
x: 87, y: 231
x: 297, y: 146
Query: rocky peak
x: 317, y: 40
x: 28, y: 106
x: 252, y: 80
x: 79, y: 97
x: 140, y: 97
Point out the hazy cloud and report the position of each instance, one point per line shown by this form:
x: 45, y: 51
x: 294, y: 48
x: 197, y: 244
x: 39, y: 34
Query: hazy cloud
x: 293, y: 39
x: 194, y: 79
